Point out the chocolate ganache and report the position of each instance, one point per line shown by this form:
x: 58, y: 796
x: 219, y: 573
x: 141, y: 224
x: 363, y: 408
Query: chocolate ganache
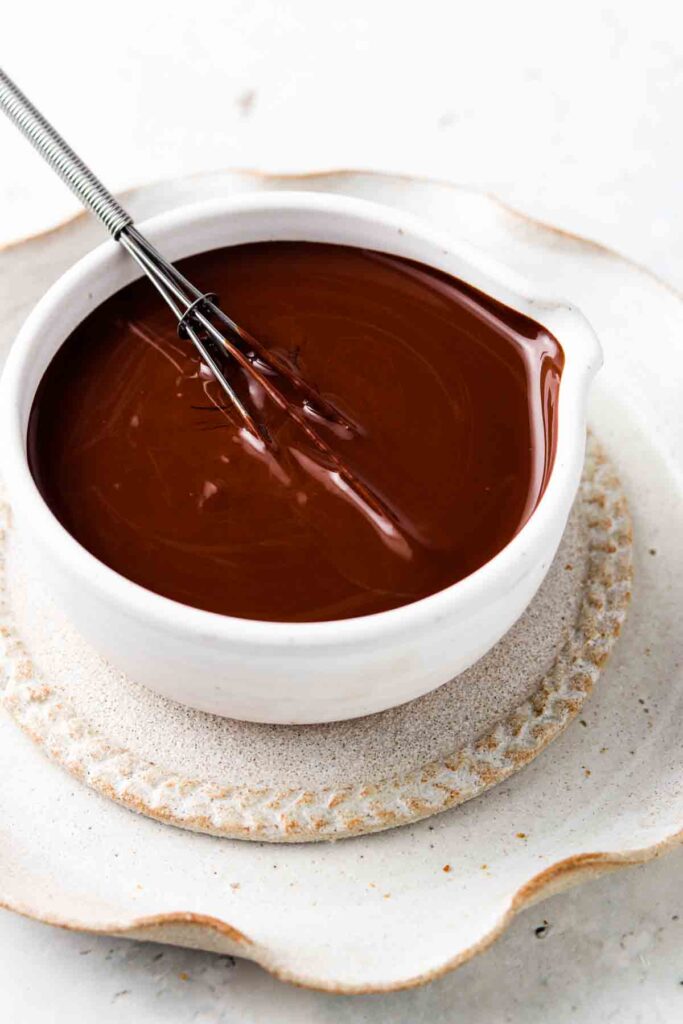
x: 447, y: 404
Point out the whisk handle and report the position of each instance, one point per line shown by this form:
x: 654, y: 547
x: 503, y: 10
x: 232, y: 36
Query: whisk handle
x: 61, y: 157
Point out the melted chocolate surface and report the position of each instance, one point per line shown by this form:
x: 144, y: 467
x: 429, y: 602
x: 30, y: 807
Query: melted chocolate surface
x: 447, y: 414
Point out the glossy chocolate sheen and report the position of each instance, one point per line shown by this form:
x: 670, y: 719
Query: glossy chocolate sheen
x: 448, y: 403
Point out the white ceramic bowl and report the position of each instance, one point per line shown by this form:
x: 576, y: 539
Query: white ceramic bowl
x: 282, y: 672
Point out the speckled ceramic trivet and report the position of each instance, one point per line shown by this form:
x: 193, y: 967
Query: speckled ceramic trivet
x: 303, y: 783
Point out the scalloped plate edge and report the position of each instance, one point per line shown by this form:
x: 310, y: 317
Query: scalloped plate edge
x: 201, y: 931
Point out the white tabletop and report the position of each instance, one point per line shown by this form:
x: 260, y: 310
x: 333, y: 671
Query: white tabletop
x: 570, y: 112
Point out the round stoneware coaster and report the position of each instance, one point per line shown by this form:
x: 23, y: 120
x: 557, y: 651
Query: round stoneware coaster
x: 302, y: 783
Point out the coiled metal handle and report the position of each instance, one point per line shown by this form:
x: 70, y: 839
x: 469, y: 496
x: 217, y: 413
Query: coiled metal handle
x: 61, y: 157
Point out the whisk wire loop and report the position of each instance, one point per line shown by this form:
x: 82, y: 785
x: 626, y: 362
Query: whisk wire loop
x: 197, y: 312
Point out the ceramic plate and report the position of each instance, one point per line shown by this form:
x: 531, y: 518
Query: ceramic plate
x: 380, y: 912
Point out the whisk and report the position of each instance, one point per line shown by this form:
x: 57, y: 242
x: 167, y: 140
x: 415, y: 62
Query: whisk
x: 219, y: 340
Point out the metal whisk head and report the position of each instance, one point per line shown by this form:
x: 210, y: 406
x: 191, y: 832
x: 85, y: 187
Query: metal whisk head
x: 220, y: 342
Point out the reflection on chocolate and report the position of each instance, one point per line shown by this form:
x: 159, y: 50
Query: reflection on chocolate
x: 447, y: 413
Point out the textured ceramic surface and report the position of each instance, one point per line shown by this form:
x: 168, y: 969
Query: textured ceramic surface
x: 292, y: 672
x: 380, y: 912
x: 310, y: 783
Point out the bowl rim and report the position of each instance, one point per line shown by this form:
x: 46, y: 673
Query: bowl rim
x: 499, y: 574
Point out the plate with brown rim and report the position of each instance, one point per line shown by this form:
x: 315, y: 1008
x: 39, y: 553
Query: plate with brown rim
x: 377, y: 913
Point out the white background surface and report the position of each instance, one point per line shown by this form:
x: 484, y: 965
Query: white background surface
x: 571, y: 112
